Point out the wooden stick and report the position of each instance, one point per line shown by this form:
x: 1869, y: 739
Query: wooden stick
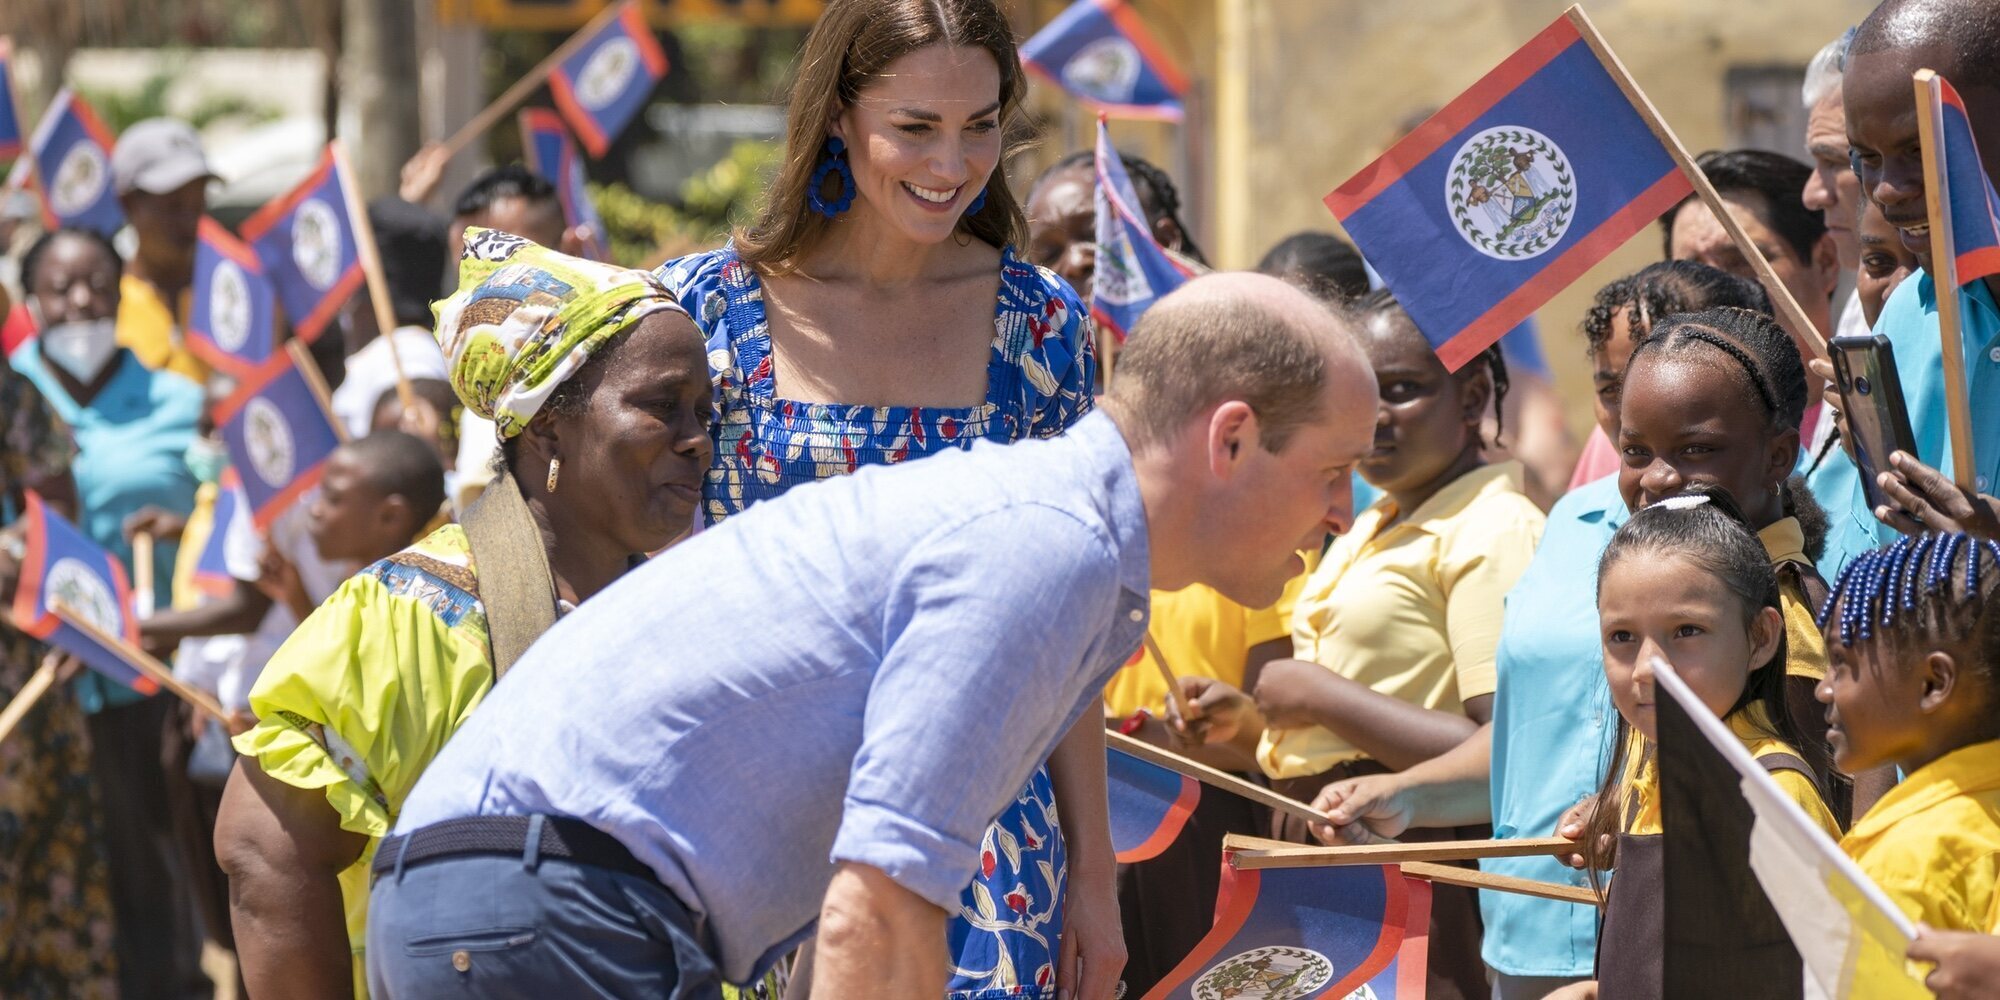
x: 1944, y: 277
x: 309, y: 370
x: 1781, y: 297
x: 1280, y: 854
x: 1244, y: 853
x: 371, y: 267
x: 1227, y: 782
x: 38, y: 684
x: 144, y: 601
x: 1167, y: 674
x: 141, y: 661
x: 510, y: 98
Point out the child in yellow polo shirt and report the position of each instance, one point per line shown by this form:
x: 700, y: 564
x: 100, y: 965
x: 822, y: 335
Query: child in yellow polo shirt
x: 1914, y: 635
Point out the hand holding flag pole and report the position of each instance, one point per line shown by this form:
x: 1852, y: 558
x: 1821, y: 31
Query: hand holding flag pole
x: 1167, y: 674
x: 1246, y: 853
x: 1944, y: 273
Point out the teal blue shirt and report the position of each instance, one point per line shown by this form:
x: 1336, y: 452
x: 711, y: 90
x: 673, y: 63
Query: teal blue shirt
x: 1910, y: 322
x: 1552, y: 728
x: 131, y: 443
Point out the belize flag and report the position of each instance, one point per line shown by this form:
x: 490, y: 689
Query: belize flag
x: 1100, y: 53
x: 230, y: 309
x: 1509, y: 193
x: 546, y: 145
x: 279, y: 436
x: 10, y: 115
x: 305, y: 241
x: 1132, y: 270
x: 72, y: 155
x: 1972, y: 219
x: 211, y: 567
x: 64, y: 567
x: 1149, y: 805
x: 603, y: 85
x: 1348, y: 932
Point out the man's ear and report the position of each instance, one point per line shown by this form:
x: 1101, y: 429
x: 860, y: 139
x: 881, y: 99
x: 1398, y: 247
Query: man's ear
x: 1826, y: 265
x: 1232, y: 432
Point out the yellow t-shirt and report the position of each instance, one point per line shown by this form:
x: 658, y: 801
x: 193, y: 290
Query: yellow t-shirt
x: 1933, y: 842
x: 1202, y: 634
x: 1641, y: 778
x: 1411, y: 608
x: 1805, y: 647
x: 194, y: 538
x: 152, y: 332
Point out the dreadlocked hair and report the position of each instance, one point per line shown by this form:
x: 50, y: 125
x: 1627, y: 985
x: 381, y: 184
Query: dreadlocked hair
x: 1381, y: 303
x: 1657, y: 291
x: 1158, y: 197
x: 1923, y: 590
x: 1704, y: 526
x: 1773, y: 375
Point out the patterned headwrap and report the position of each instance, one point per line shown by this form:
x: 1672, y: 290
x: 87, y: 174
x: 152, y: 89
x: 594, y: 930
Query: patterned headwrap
x: 525, y: 318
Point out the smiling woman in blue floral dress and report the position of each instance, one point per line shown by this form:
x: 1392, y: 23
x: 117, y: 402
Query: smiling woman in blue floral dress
x: 878, y: 312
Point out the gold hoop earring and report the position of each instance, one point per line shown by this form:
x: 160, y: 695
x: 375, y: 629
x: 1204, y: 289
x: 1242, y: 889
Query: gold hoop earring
x: 555, y: 470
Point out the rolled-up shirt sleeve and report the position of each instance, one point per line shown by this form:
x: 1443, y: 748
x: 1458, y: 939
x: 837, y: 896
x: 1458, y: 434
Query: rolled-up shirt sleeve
x: 990, y: 648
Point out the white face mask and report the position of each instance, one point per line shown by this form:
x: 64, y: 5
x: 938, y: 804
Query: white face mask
x: 81, y: 348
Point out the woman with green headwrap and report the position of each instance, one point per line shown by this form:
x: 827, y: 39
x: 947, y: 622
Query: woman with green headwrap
x: 598, y: 384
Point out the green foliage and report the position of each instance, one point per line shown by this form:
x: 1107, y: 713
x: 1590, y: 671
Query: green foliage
x: 712, y: 202
x: 120, y: 109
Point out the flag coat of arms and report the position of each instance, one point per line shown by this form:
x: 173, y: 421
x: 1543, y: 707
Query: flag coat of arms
x: 1348, y: 932
x: 211, y: 568
x: 1974, y: 207
x: 1132, y: 271
x: 605, y: 83
x: 63, y: 566
x: 546, y: 145
x: 72, y: 156
x: 1508, y: 194
x: 1850, y: 935
x: 279, y: 436
x: 1150, y: 805
x: 1100, y: 52
x: 230, y: 322
x: 305, y: 241
x: 10, y: 116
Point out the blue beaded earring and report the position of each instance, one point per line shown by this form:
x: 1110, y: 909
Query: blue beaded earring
x: 978, y: 202
x: 834, y: 163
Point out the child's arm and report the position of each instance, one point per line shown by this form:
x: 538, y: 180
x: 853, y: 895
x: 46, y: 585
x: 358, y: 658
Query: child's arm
x: 237, y: 613
x: 1447, y: 790
x: 1399, y: 734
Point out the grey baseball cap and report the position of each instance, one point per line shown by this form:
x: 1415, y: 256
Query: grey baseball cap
x: 157, y: 156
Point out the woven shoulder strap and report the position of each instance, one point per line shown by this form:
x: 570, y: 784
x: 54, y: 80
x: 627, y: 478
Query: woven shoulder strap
x: 515, y: 585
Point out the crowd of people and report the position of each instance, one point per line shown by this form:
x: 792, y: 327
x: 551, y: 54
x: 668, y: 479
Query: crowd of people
x: 805, y: 695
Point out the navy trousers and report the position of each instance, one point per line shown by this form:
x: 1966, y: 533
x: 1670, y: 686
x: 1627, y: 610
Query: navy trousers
x: 490, y: 926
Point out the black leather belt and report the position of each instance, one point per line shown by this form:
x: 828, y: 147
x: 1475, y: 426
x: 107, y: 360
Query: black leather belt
x: 561, y: 837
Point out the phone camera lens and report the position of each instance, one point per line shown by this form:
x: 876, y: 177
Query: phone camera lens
x: 1861, y: 385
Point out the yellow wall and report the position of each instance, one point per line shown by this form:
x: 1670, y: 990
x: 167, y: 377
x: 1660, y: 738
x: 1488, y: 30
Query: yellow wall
x: 1293, y: 96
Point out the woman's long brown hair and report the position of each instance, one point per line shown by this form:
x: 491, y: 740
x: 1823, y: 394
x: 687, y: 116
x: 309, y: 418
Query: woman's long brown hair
x: 853, y: 42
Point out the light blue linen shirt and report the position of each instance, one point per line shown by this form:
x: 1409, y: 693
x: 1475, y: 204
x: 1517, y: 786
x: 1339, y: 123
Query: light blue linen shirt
x: 1552, y: 727
x: 1910, y: 322
x: 865, y: 669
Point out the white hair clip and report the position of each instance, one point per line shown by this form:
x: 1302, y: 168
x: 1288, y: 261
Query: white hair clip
x: 1682, y: 501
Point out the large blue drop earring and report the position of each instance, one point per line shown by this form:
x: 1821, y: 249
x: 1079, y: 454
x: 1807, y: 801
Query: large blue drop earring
x: 833, y: 164
x: 978, y: 202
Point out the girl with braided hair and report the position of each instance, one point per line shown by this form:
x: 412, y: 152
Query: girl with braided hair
x: 1913, y: 630
x: 1062, y: 217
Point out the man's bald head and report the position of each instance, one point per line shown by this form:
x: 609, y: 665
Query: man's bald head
x: 1961, y: 36
x: 1234, y: 336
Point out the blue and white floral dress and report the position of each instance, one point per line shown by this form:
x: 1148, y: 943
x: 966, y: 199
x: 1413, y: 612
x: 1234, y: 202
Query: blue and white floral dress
x: 1039, y: 379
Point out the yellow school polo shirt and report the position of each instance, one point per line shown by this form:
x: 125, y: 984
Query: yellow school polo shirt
x: 1202, y: 634
x: 1805, y: 647
x: 1641, y: 778
x: 152, y: 332
x: 1933, y: 842
x: 1411, y: 607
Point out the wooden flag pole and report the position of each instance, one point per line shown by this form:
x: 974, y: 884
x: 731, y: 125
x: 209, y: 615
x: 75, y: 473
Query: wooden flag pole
x: 38, y: 684
x: 1781, y: 297
x: 1281, y: 854
x: 142, y: 661
x: 371, y: 267
x: 309, y: 370
x: 1167, y: 674
x: 1944, y: 279
x: 1247, y: 854
x: 510, y: 98
x: 144, y: 601
x: 1221, y: 779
